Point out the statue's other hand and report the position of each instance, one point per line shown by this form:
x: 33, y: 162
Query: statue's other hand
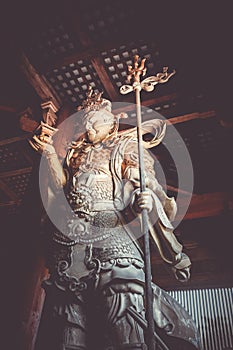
x: 41, y: 146
x: 144, y: 201
x: 181, y: 268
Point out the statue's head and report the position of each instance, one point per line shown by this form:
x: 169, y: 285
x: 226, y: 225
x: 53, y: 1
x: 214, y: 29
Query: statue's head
x: 100, y: 125
x: 99, y: 121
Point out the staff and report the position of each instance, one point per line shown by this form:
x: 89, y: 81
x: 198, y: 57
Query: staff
x: 148, y: 85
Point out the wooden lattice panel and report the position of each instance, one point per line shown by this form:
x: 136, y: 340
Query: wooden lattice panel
x: 178, y: 105
x: 167, y: 109
x: 18, y: 184
x: 71, y: 81
x: 117, y: 60
x: 54, y: 40
x: 12, y: 158
x: 108, y: 22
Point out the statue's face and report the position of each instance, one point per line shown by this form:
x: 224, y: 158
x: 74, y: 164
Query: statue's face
x: 99, y: 125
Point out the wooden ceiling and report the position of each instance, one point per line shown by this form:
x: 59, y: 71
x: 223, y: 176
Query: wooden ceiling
x: 55, y: 51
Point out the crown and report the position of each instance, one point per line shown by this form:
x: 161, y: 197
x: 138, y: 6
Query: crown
x: 94, y: 102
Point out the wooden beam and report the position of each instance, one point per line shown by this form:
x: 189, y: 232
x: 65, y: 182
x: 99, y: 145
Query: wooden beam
x: 98, y: 64
x: 191, y: 116
x: 175, y: 189
x: 96, y: 60
x: 205, y: 205
x: 7, y: 109
x: 10, y: 203
x: 86, y: 54
x: 14, y: 139
x: 168, y: 98
x: 15, y: 172
x: 9, y: 192
x: 160, y: 99
x: 129, y: 107
x: 42, y: 87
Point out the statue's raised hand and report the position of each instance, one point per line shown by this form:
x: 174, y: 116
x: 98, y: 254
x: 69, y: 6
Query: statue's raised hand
x: 42, y: 140
x: 41, y: 146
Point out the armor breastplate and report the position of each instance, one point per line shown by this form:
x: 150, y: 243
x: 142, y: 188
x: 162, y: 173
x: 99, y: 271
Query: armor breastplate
x: 91, y: 160
x: 92, y: 180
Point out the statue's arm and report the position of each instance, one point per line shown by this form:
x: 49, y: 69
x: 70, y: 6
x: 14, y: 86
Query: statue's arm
x: 131, y: 172
x: 161, y: 208
x: 42, y: 146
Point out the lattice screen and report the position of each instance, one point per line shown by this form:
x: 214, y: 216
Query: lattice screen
x: 54, y: 40
x: 106, y: 22
x: 15, y: 175
x: 18, y: 183
x: 147, y: 113
x: 212, y: 310
x: 12, y: 158
x: 72, y: 81
x: 117, y: 59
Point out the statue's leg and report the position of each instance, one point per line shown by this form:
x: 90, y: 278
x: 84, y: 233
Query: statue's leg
x: 63, y: 325
x: 62, y: 335
x: 74, y: 328
x: 122, y: 331
x: 74, y: 338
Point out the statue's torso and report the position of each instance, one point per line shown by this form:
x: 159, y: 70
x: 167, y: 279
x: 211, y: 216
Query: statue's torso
x: 96, y: 224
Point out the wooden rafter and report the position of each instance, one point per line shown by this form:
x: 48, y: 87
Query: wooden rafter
x: 147, y: 103
x: 42, y: 87
x: 176, y: 190
x: 10, y: 203
x: 13, y: 197
x: 9, y: 109
x: 206, y: 205
x: 191, y: 116
x: 14, y: 139
x: 98, y: 64
x: 95, y: 57
x: 174, y: 120
x: 15, y: 172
